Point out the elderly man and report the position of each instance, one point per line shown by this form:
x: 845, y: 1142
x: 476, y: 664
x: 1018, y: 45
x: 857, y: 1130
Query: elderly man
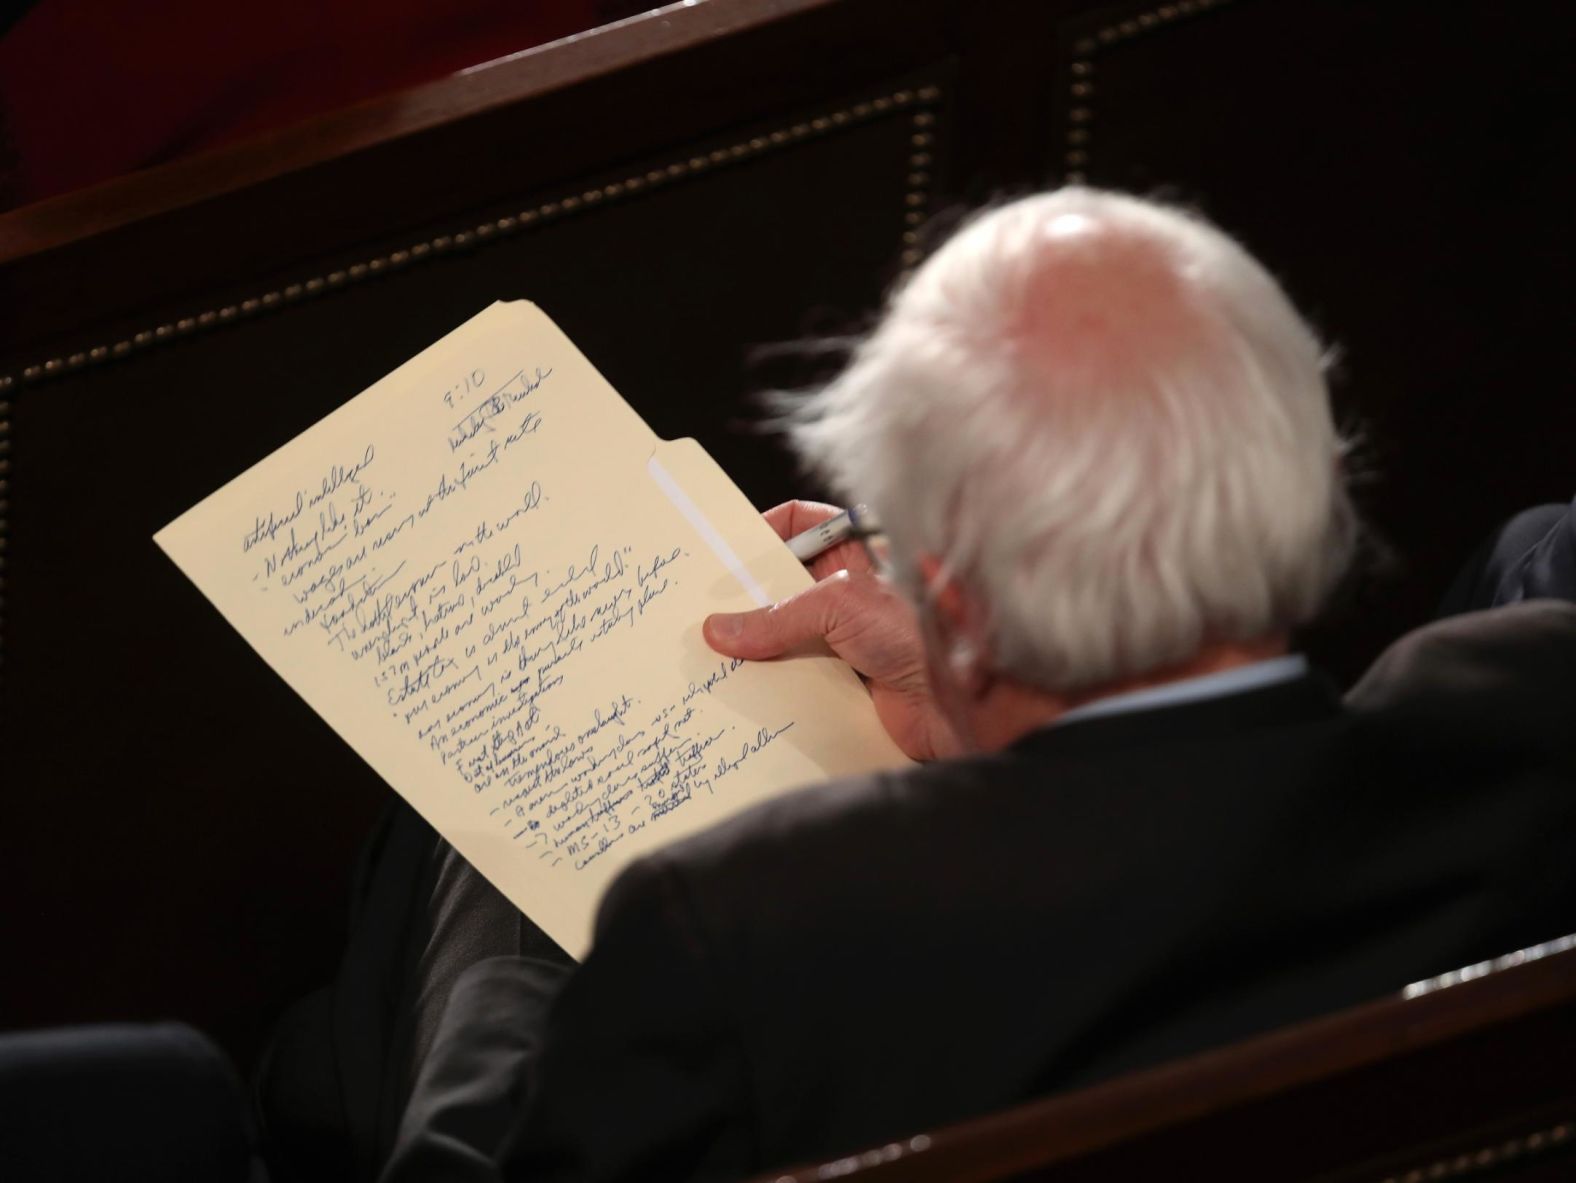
x: 1099, y: 439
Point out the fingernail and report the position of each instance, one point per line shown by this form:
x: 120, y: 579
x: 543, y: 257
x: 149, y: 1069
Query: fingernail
x: 725, y: 625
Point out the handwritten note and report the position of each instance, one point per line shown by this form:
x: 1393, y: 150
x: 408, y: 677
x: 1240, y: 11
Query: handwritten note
x: 488, y: 575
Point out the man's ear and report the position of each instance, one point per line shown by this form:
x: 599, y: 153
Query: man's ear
x: 960, y: 632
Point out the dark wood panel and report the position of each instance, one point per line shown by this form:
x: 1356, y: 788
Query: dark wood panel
x: 1474, y: 1069
x: 663, y: 79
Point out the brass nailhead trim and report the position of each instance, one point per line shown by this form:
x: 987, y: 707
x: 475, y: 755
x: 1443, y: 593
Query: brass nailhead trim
x: 915, y: 199
x: 891, y: 1152
x: 921, y: 140
x: 1080, y: 91
x: 1482, y: 969
x: 1489, y: 1156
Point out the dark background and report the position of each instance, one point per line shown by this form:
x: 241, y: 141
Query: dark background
x: 178, y: 828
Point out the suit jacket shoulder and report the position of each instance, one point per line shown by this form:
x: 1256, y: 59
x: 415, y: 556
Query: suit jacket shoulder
x: 1500, y: 681
x: 856, y: 960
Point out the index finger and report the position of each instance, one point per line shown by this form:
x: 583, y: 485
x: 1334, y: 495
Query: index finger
x: 795, y: 517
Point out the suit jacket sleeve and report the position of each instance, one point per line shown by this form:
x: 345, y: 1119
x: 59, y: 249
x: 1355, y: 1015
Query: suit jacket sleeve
x: 641, y: 1074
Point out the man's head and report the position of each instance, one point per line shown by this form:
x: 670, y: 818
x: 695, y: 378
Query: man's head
x: 1100, y: 428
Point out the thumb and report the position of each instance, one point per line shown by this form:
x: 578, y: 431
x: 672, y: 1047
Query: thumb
x: 772, y: 631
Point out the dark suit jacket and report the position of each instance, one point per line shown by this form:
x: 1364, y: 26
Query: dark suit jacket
x: 862, y: 960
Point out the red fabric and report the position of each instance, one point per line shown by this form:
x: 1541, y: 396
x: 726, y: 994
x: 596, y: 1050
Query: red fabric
x: 90, y: 89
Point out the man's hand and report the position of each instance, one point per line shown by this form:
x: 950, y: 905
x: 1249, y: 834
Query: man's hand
x: 861, y: 619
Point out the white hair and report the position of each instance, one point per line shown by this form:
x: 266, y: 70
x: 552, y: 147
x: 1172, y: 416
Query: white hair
x: 1110, y: 425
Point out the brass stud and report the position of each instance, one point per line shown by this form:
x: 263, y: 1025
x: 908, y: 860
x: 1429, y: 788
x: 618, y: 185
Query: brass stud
x: 758, y: 143
x: 53, y: 366
x: 923, y: 119
x: 678, y: 170
x: 913, y: 217
x: 1077, y: 158
x: 914, y: 198
x: 799, y: 129
x: 1079, y: 115
x: 882, y: 104
x: 930, y: 92
x: 1075, y: 178
x: 418, y: 250
x: 1107, y: 35
x: 591, y: 196
x: 633, y: 184
x: 77, y: 360
x: 121, y: 347
x: 1082, y: 69
x: 186, y: 324
x: 903, y: 97
x: 616, y: 189
x: 918, y: 180
x: 314, y: 284
x: 97, y: 353
x: 820, y: 123
x: 1080, y: 89
x: 862, y: 110
x: 145, y: 337
x: 463, y: 237
x: 1168, y: 12
x: 1083, y: 46
x: 1146, y: 20
x: 441, y: 243
x: 1077, y: 135
x: 839, y: 117
x: 718, y: 156
x: 920, y: 139
x: 527, y: 216
x: 919, y: 159
x: 779, y: 137
x: 251, y: 305
x: 910, y: 237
